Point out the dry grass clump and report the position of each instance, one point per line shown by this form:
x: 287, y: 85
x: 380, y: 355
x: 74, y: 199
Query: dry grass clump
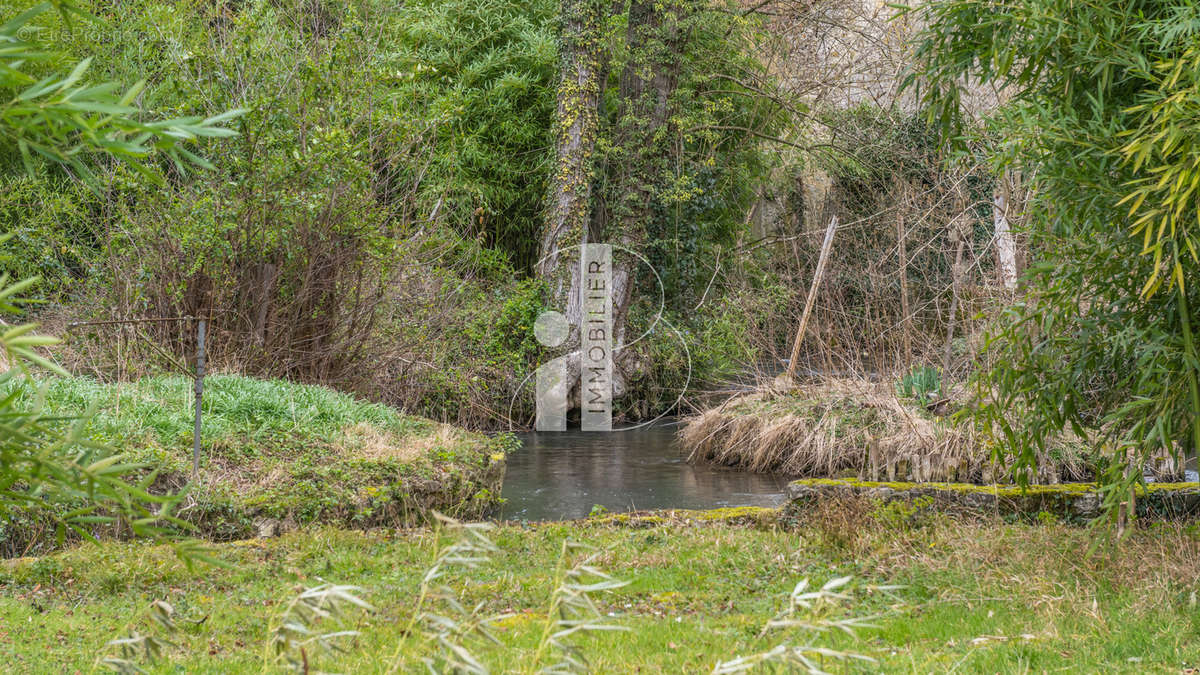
x: 371, y: 442
x: 1058, y: 567
x: 841, y: 426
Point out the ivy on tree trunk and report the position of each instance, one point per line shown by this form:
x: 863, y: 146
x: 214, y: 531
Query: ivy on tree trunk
x: 575, y: 142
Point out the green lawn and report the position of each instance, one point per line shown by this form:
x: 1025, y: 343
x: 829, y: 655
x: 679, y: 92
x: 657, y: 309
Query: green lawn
x: 976, y: 597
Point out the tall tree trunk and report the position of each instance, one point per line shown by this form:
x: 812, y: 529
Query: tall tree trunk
x: 575, y: 122
x: 566, y: 224
x: 646, y: 85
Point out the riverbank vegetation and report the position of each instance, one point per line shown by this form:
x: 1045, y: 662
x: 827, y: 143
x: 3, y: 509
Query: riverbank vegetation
x: 275, y: 455
x: 385, y: 240
x: 398, y: 238
x: 985, y: 214
x: 868, y: 429
x: 884, y: 431
x: 979, y: 596
x: 382, y: 173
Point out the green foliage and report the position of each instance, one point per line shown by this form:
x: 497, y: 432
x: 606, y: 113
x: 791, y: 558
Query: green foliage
x: 294, y: 638
x: 903, y: 515
x: 142, y: 647
x: 57, y: 117
x: 505, y: 335
x: 61, y: 116
x: 1100, y: 94
x: 808, y: 613
x: 572, y: 611
x: 384, y: 195
x: 878, y: 149
x: 678, y: 163
x: 922, y: 383
x: 718, y: 337
x: 440, y: 631
x: 370, y: 130
x: 476, y: 344
x: 692, y: 582
x: 237, y: 410
x: 880, y: 144
x: 290, y: 241
x: 49, y: 236
x: 477, y: 80
x: 49, y: 468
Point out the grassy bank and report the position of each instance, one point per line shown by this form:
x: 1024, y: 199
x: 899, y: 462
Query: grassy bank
x: 276, y: 454
x: 976, y: 596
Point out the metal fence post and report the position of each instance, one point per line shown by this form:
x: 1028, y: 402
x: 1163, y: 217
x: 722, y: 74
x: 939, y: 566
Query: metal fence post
x: 200, y: 326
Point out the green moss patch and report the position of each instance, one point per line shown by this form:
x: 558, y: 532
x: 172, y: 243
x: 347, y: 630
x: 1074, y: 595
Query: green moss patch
x: 277, y: 454
x: 756, y: 516
x: 1071, y: 501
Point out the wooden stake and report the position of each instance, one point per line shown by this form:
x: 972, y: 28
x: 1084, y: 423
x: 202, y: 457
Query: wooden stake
x: 199, y: 391
x: 956, y: 287
x: 906, y: 321
x: 812, y: 296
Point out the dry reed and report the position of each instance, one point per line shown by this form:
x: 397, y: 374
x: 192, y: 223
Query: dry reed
x: 855, y: 427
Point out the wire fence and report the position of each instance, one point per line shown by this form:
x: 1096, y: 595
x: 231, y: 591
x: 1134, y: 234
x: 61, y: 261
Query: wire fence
x: 196, y: 373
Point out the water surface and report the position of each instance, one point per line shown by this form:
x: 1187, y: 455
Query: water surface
x: 561, y: 475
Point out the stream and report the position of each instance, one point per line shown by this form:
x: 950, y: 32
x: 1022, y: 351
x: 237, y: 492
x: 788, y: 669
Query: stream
x: 562, y: 475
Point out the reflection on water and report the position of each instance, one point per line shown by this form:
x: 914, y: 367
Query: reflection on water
x: 561, y: 475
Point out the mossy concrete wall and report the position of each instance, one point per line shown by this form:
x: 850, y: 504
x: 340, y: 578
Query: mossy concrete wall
x: 1072, y: 501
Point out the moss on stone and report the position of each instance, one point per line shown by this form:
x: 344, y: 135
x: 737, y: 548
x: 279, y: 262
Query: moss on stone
x: 733, y: 512
x: 998, y: 489
x: 735, y: 515
x: 1071, y: 501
